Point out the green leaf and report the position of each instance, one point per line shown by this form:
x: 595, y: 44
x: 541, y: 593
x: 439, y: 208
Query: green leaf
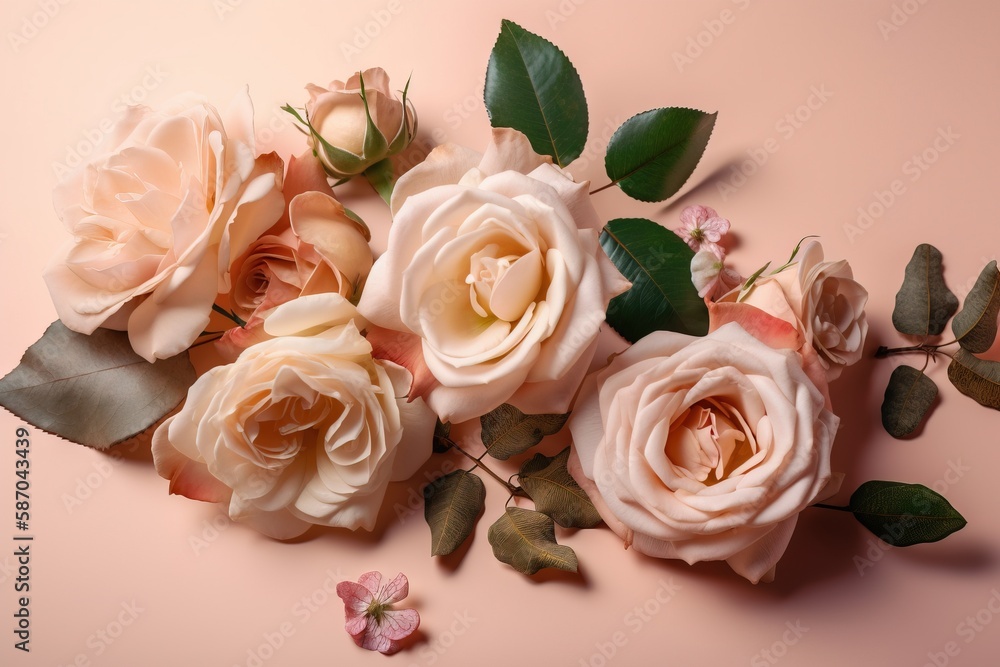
x: 526, y: 540
x: 904, y: 514
x: 908, y: 397
x: 745, y: 289
x: 452, y: 505
x: 976, y: 378
x: 556, y: 493
x: 382, y: 177
x: 976, y: 326
x: 94, y: 390
x: 924, y: 304
x: 532, y: 87
x: 654, y: 153
x: 442, y: 437
x: 662, y: 296
x: 507, y: 431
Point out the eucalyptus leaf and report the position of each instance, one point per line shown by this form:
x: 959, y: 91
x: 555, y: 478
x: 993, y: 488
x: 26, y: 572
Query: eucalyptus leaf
x: 382, y: 177
x: 442, y: 437
x: 975, y: 326
x: 556, y: 493
x: 908, y: 397
x: 653, y: 153
x: 904, y: 514
x: 94, y: 390
x: 507, y: 431
x: 924, y: 304
x: 452, y: 505
x: 976, y: 378
x: 526, y: 540
x: 662, y: 296
x: 532, y: 87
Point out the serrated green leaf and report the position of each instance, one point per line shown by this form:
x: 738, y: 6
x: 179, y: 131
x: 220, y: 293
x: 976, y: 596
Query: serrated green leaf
x: 662, y: 296
x: 976, y: 378
x: 652, y: 154
x: 526, y: 540
x: 532, y: 87
x: 924, y: 304
x: 904, y: 514
x: 382, y: 177
x: 452, y: 505
x: 94, y: 390
x: 975, y: 326
x: 908, y: 397
x: 507, y: 431
x: 556, y: 493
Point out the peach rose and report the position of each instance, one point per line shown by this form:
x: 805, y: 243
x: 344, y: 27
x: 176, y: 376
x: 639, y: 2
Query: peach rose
x: 822, y: 300
x: 704, y: 448
x: 342, y: 136
x: 171, y: 198
x: 494, y: 280
x: 301, y: 429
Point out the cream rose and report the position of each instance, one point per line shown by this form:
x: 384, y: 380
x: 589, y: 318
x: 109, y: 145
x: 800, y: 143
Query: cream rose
x: 302, y: 429
x: 704, y: 448
x: 822, y: 300
x: 158, y: 216
x: 339, y: 116
x: 495, y: 278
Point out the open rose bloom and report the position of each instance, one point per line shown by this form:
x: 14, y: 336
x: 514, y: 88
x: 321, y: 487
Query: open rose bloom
x: 705, y: 448
x: 158, y: 216
x: 494, y: 285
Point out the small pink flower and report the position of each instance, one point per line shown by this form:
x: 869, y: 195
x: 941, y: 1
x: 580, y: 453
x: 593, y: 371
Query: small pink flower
x: 371, y: 620
x: 702, y: 229
x: 711, y: 277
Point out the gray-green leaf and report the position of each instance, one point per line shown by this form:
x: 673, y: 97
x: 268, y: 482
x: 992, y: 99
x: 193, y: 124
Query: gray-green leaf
x: 382, y: 177
x: 452, y: 505
x: 654, y: 153
x: 976, y: 378
x: 976, y: 326
x: 904, y: 514
x: 94, y: 390
x: 658, y: 263
x: 908, y: 397
x: 526, y: 540
x: 532, y: 87
x: 507, y: 431
x: 556, y: 493
x: 924, y: 304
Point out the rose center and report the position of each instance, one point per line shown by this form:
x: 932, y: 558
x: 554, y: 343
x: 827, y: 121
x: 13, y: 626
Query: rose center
x: 709, y: 441
x: 503, y: 286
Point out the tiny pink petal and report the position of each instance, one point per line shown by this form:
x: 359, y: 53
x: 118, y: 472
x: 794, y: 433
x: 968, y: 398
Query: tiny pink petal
x: 367, y: 631
x: 395, y: 590
x: 715, y: 228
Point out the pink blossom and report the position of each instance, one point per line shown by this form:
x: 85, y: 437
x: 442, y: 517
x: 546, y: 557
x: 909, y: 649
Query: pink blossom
x: 371, y: 620
x: 702, y: 229
x: 710, y: 275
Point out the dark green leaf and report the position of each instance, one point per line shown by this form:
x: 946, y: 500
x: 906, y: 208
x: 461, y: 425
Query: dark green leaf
x: 382, y: 178
x: 976, y: 378
x: 442, y: 440
x: 662, y: 296
x: 904, y: 514
x: 94, y: 390
x: 908, y: 397
x: 532, y: 87
x: 452, y: 505
x: 556, y: 493
x: 976, y: 326
x: 507, y: 431
x: 526, y: 540
x: 924, y: 304
x: 654, y: 153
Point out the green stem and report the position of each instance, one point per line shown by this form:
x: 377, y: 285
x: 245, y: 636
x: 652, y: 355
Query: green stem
x: 882, y: 352
x: 229, y: 315
x: 514, y: 490
x: 839, y: 508
x: 604, y: 187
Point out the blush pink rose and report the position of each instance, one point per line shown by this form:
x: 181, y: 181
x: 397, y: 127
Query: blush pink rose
x: 494, y: 284
x: 704, y: 448
x: 157, y: 217
x: 302, y: 429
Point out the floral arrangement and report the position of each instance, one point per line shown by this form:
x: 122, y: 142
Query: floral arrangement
x: 329, y: 373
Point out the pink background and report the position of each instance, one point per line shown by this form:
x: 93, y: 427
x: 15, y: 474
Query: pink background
x: 211, y: 594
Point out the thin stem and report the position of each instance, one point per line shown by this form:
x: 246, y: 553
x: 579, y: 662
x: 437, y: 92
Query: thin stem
x: 883, y: 351
x: 604, y: 187
x: 513, y: 490
x: 832, y: 507
x: 207, y: 340
x: 228, y: 314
